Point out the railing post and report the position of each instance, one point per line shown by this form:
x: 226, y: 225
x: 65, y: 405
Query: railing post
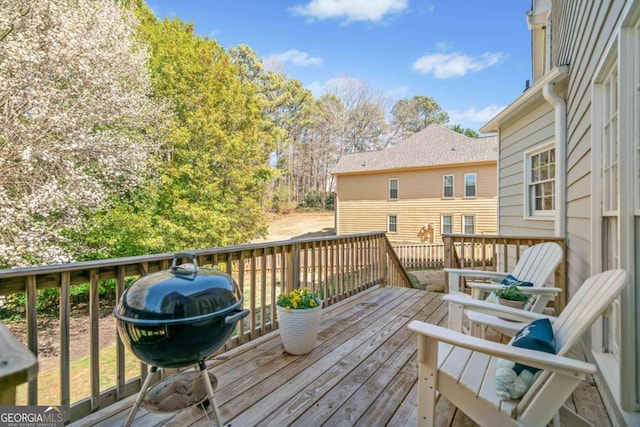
x: 560, y: 280
x: 292, y: 266
x: 449, y: 252
x: 32, y: 333
x: 382, y: 261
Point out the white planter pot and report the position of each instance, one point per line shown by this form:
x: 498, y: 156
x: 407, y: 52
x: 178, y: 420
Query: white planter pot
x: 299, y: 328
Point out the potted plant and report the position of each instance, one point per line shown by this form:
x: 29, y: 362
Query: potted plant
x: 512, y: 296
x: 299, y: 314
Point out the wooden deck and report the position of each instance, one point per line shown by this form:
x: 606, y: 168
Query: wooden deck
x: 362, y: 372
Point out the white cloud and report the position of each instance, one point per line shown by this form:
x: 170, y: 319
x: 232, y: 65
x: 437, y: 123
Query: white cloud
x: 295, y: 57
x: 475, y: 116
x: 398, y: 92
x: 316, y: 88
x: 353, y: 10
x: 337, y: 85
x: 447, y: 65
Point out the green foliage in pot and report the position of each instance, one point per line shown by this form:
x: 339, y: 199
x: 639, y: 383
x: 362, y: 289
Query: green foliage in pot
x: 298, y: 299
x: 512, y: 293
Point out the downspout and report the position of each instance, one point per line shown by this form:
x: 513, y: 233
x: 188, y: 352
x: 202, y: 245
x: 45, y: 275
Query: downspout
x: 560, y: 131
x: 547, y: 45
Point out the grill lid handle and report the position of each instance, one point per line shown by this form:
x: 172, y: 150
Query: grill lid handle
x: 180, y: 269
x: 230, y: 320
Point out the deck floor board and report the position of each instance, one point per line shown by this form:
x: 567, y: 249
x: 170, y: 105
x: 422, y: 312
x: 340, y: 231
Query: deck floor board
x: 362, y: 372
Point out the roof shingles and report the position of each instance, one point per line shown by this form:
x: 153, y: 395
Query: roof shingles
x: 434, y: 145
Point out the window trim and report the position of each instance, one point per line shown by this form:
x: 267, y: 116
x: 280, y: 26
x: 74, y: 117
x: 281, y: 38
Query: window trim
x: 442, y: 223
x: 475, y: 185
x: 529, y: 211
x: 620, y: 52
x: 397, y: 189
x: 389, y: 216
x: 464, y: 225
x: 453, y: 186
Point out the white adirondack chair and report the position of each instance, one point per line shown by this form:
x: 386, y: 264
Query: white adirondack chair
x: 462, y: 368
x: 535, y: 265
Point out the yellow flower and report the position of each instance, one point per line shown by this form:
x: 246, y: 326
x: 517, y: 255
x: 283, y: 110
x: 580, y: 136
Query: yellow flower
x: 287, y: 309
x: 312, y: 303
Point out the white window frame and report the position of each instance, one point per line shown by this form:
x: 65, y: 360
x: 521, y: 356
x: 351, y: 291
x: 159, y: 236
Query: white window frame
x: 389, y: 223
x: 445, y: 186
x: 397, y: 189
x: 621, y: 53
x: 442, y: 230
x: 529, y: 205
x: 464, y: 224
x: 475, y: 185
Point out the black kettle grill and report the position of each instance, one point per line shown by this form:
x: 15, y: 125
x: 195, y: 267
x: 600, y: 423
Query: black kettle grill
x: 178, y: 317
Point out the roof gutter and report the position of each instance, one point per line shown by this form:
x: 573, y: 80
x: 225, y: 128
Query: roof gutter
x: 560, y: 130
x: 556, y: 75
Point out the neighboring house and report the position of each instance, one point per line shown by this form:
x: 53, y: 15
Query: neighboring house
x: 436, y: 181
x: 569, y: 162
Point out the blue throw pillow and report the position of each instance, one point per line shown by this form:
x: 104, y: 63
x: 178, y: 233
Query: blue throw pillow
x: 511, y: 280
x: 537, y: 335
x: 514, y: 379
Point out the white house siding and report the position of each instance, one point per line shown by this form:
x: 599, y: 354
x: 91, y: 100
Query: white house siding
x: 582, y: 34
x: 590, y: 31
x: 589, y: 27
x: 530, y: 131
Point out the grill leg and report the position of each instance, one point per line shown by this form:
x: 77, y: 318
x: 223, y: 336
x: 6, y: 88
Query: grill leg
x: 141, y: 394
x: 210, y: 395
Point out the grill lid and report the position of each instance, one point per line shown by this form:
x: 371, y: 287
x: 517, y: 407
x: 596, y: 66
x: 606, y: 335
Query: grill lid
x: 181, y: 294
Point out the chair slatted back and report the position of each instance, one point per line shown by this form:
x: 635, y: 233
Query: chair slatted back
x: 595, y: 295
x: 591, y: 300
x: 538, y: 262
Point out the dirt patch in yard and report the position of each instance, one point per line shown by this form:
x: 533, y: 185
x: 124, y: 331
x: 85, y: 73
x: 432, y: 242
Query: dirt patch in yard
x: 299, y: 225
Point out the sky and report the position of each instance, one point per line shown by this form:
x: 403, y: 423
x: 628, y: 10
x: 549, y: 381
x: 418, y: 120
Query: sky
x: 473, y: 57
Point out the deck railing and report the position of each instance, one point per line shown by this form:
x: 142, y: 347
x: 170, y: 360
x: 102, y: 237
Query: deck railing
x: 499, y: 253
x: 334, y: 267
x: 432, y: 255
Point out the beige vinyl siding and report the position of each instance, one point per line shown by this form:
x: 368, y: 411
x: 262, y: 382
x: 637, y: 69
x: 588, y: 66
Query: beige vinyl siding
x: 532, y: 130
x: 370, y: 215
x: 413, y: 184
x: 363, y: 203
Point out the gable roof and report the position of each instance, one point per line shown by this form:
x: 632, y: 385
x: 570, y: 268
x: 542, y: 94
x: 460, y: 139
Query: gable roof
x: 434, y: 145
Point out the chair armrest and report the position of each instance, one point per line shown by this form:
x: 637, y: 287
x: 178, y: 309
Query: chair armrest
x: 485, y: 274
x: 538, y: 359
x: 456, y: 273
x: 496, y: 309
x: 533, y: 290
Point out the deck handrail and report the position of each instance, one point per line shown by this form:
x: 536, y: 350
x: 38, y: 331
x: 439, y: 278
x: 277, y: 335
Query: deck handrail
x: 333, y: 266
x: 498, y: 252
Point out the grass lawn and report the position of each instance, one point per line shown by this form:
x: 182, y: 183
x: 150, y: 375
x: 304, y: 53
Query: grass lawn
x: 49, y: 382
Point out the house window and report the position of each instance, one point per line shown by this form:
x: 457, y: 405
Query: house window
x: 393, y: 188
x: 447, y: 186
x: 469, y: 224
x: 609, y: 192
x: 447, y: 224
x: 469, y: 185
x: 392, y: 223
x: 615, y: 195
x: 541, y: 181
